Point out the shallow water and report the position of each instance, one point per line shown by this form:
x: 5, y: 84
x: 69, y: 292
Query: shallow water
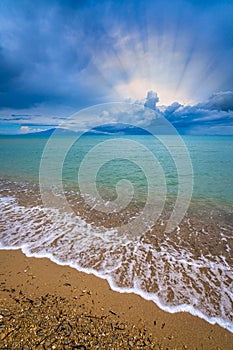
x: 187, y: 269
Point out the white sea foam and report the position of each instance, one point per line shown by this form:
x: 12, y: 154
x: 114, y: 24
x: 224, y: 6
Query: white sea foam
x: 170, y: 276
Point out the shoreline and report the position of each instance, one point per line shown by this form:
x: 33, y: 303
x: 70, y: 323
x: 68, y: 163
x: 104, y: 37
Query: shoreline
x: 26, y: 280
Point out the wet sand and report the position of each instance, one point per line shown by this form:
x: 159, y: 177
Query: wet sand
x: 46, y: 306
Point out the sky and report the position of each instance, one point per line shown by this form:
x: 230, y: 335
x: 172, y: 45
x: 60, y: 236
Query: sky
x: 60, y: 56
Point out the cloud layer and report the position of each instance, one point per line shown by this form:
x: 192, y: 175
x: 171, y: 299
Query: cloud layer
x: 57, y: 57
x: 214, y: 116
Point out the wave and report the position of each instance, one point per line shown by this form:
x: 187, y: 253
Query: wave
x: 158, y: 267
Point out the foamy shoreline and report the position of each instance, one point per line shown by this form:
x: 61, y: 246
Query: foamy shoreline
x: 144, y: 295
x: 141, y: 267
x: 37, y: 277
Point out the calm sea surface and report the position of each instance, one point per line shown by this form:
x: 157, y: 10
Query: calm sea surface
x: 81, y: 203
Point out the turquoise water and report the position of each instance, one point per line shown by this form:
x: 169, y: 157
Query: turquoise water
x: 211, y: 158
x: 102, y: 205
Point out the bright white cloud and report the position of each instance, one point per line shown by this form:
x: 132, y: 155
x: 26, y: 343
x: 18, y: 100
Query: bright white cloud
x: 26, y: 129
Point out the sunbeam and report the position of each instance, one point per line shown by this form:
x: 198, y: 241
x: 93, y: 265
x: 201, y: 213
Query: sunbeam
x: 111, y: 52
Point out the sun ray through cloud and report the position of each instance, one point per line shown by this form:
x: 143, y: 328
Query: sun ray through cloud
x: 87, y: 54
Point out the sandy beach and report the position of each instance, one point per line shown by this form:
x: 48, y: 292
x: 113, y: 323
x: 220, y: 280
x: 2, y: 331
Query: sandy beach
x: 46, y: 306
x: 116, y: 186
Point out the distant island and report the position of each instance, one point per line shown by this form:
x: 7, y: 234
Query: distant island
x: 109, y: 129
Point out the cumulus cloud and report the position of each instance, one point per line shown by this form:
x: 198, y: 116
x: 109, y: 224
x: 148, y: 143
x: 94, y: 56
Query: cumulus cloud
x: 186, y: 119
x: 151, y: 100
x: 213, y: 116
x: 172, y: 108
x: 210, y: 116
x: 24, y: 129
x: 221, y: 101
x: 206, y: 117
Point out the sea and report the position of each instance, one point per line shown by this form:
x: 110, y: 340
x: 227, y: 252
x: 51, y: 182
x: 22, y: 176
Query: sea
x: 151, y: 215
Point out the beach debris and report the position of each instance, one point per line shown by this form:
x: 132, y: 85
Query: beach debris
x: 112, y: 312
x: 54, y: 322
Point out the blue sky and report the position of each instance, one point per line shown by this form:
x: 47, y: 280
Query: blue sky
x: 57, y: 57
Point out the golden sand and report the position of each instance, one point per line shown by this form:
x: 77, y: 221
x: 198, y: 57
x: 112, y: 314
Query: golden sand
x: 46, y: 306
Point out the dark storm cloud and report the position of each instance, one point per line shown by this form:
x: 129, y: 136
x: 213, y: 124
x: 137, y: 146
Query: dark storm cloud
x: 172, y: 108
x: 8, y: 73
x: 221, y: 101
x: 44, y: 52
x: 216, y: 111
x: 71, y: 53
